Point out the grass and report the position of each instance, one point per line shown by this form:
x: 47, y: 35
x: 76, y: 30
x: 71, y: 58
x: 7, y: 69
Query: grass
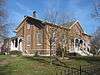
x: 20, y: 65
x: 25, y: 66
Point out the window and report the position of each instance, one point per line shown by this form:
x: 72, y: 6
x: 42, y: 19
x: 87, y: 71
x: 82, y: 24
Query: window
x: 63, y: 39
x: 53, y: 36
x: 84, y: 44
x: 39, y: 36
x: 20, y: 40
x: 88, y: 49
x: 76, y: 42
x: 28, y: 26
x: 81, y: 41
x: 13, y: 41
x: 16, y: 42
x: 28, y: 40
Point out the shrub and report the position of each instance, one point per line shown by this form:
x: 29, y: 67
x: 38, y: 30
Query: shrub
x: 88, y: 58
x: 15, y: 52
x: 2, y: 53
x: 59, y: 52
x: 36, y: 53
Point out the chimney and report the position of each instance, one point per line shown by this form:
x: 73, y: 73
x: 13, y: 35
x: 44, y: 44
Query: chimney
x: 34, y: 14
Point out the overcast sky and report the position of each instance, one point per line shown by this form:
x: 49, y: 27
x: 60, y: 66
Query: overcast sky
x: 79, y: 9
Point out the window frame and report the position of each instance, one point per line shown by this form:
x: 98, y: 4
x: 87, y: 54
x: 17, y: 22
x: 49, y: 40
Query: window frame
x: 39, y: 37
x: 28, y: 40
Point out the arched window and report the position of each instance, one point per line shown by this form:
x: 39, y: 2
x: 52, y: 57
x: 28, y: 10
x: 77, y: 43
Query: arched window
x: 81, y: 41
x: 63, y: 38
x: 39, y: 37
x: 28, y: 40
x: 76, y: 42
x: 88, y: 49
x: 20, y: 40
x: 16, y: 42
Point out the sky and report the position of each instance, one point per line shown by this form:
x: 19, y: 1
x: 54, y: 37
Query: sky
x: 79, y: 9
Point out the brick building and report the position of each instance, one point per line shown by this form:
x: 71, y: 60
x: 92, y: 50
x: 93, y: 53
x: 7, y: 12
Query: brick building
x: 41, y: 37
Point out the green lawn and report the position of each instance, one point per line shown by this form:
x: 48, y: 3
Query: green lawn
x: 34, y: 65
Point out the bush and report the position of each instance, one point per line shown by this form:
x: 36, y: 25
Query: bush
x: 36, y: 53
x: 59, y: 52
x: 88, y: 58
x: 15, y: 52
x: 1, y: 53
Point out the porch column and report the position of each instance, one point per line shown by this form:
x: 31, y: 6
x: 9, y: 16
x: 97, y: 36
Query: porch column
x: 74, y: 44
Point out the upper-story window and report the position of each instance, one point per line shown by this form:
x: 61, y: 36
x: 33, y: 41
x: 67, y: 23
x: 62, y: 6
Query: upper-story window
x: 53, y: 36
x: 28, y: 26
x: 63, y: 37
x: 39, y: 36
x: 28, y: 40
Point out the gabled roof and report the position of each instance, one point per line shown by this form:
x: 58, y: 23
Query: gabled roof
x: 36, y: 22
x: 21, y: 23
x: 69, y: 25
x: 54, y: 25
x: 87, y: 35
x: 31, y: 21
x: 40, y: 24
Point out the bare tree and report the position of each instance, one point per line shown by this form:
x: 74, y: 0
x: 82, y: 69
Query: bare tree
x: 96, y: 42
x: 3, y: 16
x: 51, y: 17
x: 56, y: 18
x: 51, y: 37
x: 96, y: 9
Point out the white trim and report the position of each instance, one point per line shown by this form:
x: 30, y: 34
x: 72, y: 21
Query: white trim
x: 39, y: 44
x: 24, y: 54
x: 79, y: 25
x: 43, y: 49
x: 44, y: 54
x: 28, y: 45
x: 73, y: 24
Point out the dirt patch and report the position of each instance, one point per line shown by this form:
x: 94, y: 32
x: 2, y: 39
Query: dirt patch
x: 3, y: 62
